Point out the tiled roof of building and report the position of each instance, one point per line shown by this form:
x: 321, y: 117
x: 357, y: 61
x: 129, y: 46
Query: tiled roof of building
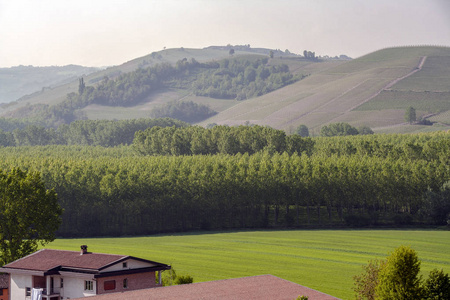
x: 47, y: 259
x: 256, y: 287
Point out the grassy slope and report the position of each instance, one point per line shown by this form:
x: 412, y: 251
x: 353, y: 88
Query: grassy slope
x: 334, y: 94
x: 325, y: 260
x: 18, y: 81
x: 142, y: 110
x: 58, y: 94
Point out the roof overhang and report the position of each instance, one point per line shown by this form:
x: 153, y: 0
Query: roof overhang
x: 22, y: 272
x: 133, y: 271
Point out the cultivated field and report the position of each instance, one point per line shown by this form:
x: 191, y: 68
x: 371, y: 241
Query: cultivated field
x: 373, y: 90
x: 325, y: 260
x: 378, y: 84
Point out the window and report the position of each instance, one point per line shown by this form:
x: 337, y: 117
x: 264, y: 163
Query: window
x: 27, y: 292
x: 109, y: 285
x: 125, y: 283
x: 1, y: 292
x: 88, y: 285
x: 124, y: 265
x: 62, y: 282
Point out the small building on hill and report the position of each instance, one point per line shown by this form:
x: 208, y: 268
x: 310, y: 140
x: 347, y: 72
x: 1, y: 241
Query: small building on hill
x: 248, y: 288
x: 58, y: 275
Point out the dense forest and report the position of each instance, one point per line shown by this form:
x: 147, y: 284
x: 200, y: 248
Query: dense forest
x: 372, y: 180
x: 242, y: 79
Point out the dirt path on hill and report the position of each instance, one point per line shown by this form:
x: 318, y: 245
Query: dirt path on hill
x: 391, y: 83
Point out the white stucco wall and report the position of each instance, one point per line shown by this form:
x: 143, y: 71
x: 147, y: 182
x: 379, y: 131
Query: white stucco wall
x: 131, y: 264
x: 18, y: 285
x: 74, y: 287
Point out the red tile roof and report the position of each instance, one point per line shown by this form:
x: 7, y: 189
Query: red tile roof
x: 256, y: 287
x: 47, y: 259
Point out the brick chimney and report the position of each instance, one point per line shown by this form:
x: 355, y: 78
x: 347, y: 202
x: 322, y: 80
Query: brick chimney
x: 83, y: 249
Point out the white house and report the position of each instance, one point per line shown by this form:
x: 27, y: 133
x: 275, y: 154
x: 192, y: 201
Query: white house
x: 72, y: 274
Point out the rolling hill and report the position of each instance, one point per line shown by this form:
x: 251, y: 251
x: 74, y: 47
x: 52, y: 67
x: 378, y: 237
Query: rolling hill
x: 373, y: 90
x: 18, y: 81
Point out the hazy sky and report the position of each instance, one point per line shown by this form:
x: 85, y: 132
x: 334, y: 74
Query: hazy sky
x: 111, y: 32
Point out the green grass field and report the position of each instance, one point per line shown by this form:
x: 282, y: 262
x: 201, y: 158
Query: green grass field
x: 325, y: 260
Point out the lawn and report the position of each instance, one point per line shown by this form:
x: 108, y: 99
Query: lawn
x: 325, y: 260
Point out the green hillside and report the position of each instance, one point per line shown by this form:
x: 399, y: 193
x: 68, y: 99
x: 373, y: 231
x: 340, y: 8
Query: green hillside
x: 57, y: 94
x: 16, y: 82
x: 373, y: 90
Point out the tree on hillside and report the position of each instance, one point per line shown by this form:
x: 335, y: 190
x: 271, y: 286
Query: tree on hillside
x: 271, y: 54
x: 302, y: 131
x: 338, y: 129
x: 410, y: 115
x: 29, y: 214
x: 309, y: 54
x: 363, y: 130
x: 81, y: 86
x: 231, y: 52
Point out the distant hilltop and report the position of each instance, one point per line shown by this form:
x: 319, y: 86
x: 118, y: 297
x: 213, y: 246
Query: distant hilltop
x: 266, y: 51
x: 21, y: 80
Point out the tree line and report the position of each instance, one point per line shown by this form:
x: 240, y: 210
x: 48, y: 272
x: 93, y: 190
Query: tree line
x: 104, y: 133
x: 195, y: 140
x: 391, y: 180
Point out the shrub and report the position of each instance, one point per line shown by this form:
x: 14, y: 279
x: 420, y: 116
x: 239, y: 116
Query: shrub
x: 184, y: 279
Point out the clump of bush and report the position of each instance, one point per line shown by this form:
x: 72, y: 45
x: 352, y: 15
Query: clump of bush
x: 170, y: 277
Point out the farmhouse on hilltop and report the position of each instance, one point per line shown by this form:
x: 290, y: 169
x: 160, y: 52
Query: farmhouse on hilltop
x: 62, y: 275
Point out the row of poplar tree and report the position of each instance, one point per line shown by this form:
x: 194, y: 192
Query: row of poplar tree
x: 340, y: 181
